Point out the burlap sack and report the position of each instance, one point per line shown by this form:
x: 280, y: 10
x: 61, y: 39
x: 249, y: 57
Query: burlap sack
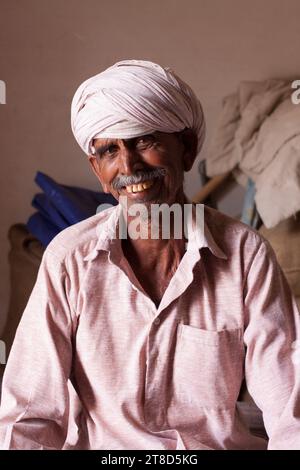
x: 24, y: 259
x: 285, y: 240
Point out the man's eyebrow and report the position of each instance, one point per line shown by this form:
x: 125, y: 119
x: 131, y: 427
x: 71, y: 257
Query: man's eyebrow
x: 102, y: 148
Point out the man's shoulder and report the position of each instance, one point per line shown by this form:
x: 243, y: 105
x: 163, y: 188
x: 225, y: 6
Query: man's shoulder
x: 80, y: 238
x: 231, y: 233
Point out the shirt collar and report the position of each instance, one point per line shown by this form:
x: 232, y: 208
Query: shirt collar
x: 106, y: 231
x: 199, y: 235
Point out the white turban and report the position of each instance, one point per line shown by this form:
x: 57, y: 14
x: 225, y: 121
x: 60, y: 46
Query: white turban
x: 134, y: 98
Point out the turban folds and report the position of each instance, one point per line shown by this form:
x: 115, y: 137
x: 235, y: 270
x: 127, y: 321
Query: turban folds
x: 134, y: 98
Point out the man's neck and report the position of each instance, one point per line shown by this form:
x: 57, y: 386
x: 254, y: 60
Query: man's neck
x: 150, y: 253
x: 155, y: 260
x: 165, y: 248
x: 154, y: 263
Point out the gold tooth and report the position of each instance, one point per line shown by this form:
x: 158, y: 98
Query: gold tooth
x: 148, y: 184
x: 134, y: 188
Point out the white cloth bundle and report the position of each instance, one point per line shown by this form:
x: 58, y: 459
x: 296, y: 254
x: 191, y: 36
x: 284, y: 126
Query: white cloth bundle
x: 258, y: 137
x: 134, y: 98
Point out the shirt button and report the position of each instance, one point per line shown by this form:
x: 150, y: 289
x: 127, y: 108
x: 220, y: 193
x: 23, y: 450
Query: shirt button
x: 156, y: 321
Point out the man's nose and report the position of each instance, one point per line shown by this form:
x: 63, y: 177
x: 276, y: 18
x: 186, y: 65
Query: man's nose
x: 129, y: 160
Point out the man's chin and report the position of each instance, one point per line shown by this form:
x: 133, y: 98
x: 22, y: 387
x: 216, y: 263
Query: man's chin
x: 128, y: 202
x: 152, y: 195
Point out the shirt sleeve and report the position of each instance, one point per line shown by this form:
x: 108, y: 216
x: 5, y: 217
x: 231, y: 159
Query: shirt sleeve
x: 271, y: 334
x: 35, y: 400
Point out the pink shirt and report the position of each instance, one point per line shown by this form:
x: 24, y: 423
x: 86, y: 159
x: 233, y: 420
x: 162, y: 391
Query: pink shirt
x: 147, y: 377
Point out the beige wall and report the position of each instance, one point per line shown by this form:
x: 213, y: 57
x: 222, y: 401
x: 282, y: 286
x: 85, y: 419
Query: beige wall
x: 47, y: 47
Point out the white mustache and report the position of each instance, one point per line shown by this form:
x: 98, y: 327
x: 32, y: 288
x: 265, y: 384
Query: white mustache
x: 140, y: 177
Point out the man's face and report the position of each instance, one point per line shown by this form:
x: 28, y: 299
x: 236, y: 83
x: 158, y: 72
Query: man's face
x: 147, y: 169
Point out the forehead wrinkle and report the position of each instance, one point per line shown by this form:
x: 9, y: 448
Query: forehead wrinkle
x: 112, y: 141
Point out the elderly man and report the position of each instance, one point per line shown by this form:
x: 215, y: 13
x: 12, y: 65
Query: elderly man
x: 156, y: 333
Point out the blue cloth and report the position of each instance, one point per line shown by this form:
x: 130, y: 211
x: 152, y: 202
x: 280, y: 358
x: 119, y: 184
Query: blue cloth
x: 48, y: 210
x: 42, y: 228
x: 60, y: 206
x: 250, y: 215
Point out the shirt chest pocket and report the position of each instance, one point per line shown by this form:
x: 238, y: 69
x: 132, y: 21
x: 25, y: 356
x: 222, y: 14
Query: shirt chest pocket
x: 208, y: 367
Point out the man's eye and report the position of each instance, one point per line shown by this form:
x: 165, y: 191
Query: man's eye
x: 110, y: 150
x: 145, y: 141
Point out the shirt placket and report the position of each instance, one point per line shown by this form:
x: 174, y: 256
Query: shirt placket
x: 162, y: 342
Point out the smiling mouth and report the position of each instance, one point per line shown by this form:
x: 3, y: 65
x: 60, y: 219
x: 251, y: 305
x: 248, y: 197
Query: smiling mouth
x: 137, y: 188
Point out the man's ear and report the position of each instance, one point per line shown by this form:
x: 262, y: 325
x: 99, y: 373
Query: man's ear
x: 94, y: 164
x: 95, y: 167
x: 189, y: 140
